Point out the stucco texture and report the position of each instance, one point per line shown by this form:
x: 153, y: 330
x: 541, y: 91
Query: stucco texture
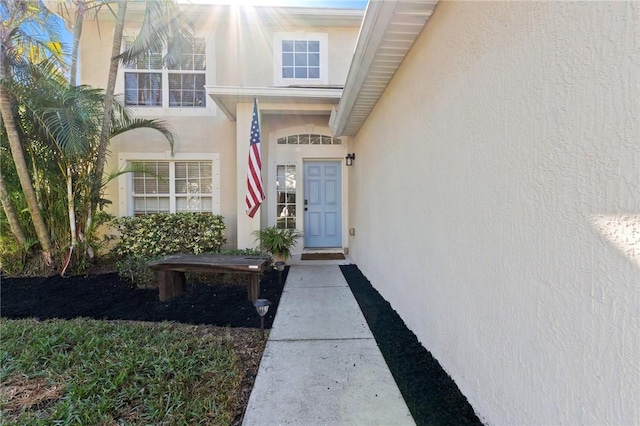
x: 496, y: 202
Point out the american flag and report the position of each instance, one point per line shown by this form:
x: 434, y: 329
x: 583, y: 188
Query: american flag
x: 255, y: 194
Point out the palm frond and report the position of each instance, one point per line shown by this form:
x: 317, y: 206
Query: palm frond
x: 122, y: 124
x: 163, y: 25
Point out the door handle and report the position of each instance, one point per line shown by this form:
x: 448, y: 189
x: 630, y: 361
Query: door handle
x: 305, y: 204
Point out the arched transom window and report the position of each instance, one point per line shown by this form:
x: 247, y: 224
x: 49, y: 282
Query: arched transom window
x: 309, y: 139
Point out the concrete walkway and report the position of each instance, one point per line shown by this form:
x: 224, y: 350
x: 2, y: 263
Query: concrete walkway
x: 321, y: 365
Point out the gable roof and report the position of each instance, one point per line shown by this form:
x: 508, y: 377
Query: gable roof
x: 388, y: 31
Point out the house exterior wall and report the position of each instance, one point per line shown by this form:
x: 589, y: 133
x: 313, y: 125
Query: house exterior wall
x: 240, y: 50
x: 496, y: 205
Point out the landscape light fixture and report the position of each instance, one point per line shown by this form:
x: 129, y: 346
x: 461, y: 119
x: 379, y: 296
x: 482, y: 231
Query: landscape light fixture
x: 262, y: 306
x: 279, y: 267
x: 349, y: 159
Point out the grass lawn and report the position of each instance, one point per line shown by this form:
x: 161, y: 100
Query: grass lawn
x: 86, y: 371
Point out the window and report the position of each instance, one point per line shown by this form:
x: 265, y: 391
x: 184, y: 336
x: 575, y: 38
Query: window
x: 286, y: 197
x: 300, y: 58
x: 148, y: 83
x: 172, y: 186
x: 309, y: 139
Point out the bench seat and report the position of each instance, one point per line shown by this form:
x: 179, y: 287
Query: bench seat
x: 171, y: 269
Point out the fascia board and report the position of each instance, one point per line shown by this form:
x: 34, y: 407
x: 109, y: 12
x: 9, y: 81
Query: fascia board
x: 376, y: 19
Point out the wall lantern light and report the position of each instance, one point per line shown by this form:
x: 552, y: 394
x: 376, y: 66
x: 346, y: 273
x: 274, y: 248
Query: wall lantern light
x: 349, y: 158
x: 262, y: 306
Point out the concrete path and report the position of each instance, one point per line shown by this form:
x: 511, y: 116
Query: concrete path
x: 321, y: 365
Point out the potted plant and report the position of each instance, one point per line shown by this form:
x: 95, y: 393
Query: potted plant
x: 277, y: 241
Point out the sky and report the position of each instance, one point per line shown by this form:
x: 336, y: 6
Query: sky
x: 340, y: 4
x: 352, y: 4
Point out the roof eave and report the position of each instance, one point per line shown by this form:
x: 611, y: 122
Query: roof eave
x: 388, y: 31
x: 319, y: 100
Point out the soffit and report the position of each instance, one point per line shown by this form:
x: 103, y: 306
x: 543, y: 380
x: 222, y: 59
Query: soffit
x: 388, y: 31
x: 276, y: 100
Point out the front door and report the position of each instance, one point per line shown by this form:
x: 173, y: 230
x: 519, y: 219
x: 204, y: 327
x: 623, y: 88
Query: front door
x: 323, y: 204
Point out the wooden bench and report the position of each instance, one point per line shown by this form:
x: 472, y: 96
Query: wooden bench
x: 171, y: 269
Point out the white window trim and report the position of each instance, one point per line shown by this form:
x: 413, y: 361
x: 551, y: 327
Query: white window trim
x: 162, y: 111
x: 125, y: 181
x: 323, y: 38
x: 295, y: 192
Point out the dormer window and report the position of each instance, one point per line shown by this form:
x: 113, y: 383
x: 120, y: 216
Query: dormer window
x: 300, y: 59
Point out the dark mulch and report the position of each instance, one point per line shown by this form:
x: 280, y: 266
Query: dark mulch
x: 431, y: 395
x: 107, y: 297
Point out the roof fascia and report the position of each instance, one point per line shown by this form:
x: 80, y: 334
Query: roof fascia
x: 242, y: 94
x: 375, y: 21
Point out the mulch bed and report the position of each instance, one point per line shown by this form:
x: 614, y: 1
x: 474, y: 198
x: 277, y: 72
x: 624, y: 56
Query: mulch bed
x: 107, y: 297
x: 431, y: 395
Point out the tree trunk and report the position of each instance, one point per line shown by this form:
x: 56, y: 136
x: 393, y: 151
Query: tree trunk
x: 12, y: 217
x: 22, y: 170
x: 109, y: 99
x: 77, y: 33
x: 72, y: 219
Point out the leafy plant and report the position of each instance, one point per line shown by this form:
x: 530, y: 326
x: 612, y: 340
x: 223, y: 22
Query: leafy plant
x: 149, y: 237
x: 277, y: 241
x: 243, y: 252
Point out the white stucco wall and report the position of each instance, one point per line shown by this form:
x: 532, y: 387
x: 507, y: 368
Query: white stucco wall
x: 496, y: 201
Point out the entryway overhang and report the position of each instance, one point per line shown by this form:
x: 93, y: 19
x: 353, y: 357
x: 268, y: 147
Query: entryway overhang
x: 276, y: 100
x: 389, y: 29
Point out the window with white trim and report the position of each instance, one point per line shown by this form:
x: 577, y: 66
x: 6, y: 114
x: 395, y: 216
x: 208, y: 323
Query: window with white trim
x: 172, y: 186
x: 286, y: 197
x: 300, y: 58
x: 148, y: 83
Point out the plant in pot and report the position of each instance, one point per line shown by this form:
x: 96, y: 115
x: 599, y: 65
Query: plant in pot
x: 277, y: 241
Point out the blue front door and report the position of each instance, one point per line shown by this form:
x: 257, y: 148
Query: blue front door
x: 323, y: 204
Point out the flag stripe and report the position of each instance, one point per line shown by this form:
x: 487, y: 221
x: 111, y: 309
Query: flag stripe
x: 255, y: 193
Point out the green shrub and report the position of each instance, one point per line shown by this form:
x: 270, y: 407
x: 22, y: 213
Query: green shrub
x: 244, y: 252
x: 150, y: 237
x: 12, y: 256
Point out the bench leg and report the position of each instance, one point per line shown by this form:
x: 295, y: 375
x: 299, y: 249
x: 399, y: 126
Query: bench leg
x: 170, y: 284
x: 253, y: 288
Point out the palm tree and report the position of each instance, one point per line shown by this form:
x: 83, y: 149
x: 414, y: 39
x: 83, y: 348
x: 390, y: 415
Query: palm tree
x: 163, y: 25
x: 106, y: 118
x: 76, y: 12
x: 17, y: 41
x: 71, y: 119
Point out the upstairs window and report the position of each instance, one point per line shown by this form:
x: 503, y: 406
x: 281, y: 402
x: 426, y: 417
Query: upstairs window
x: 148, y: 83
x: 300, y: 59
